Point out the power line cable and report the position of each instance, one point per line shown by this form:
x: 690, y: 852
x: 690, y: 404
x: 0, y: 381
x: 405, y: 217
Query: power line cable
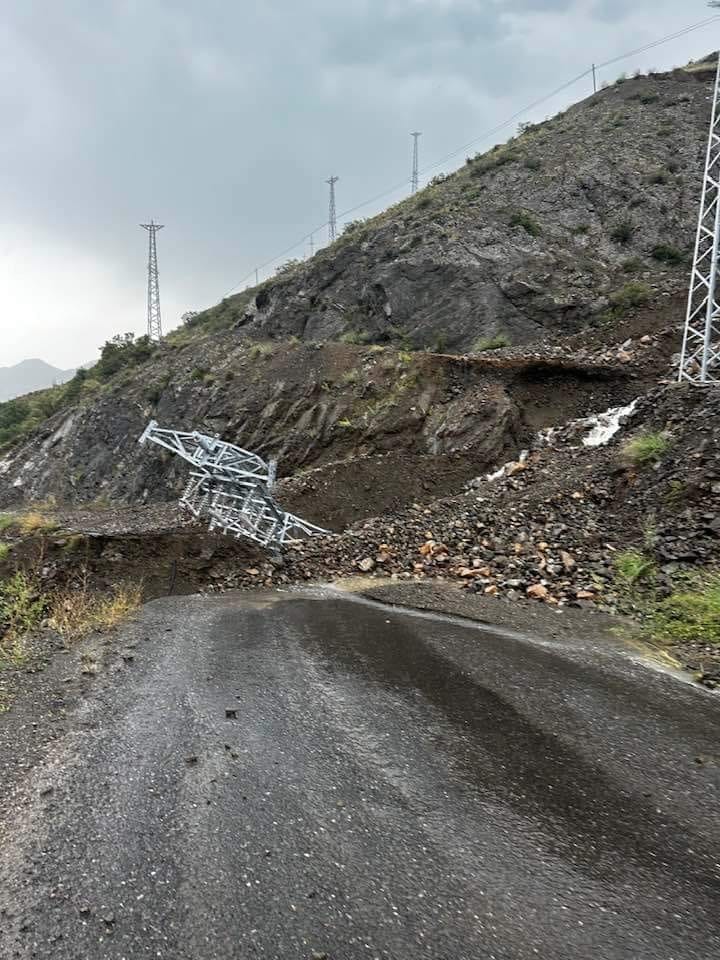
x: 486, y: 135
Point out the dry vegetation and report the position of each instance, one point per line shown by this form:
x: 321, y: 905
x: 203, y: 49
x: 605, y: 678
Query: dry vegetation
x: 78, y: 612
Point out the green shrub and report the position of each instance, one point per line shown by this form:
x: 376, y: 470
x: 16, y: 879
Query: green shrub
x: 258, y: 350
x: 632, y: 265
x: 7, y: 520
x: 523, y: 219
x: 658, y: 177
x: 287, y: 267
x: 580, y: 230
x: 4, y: 551
x: 21, y: 606
x: 633, y: 294
x: 123, y: 351
x: 623, y: 231
x: 350, y: 377
x: 532, y: 163
x: 675, y: 494
x: 645, y: 448
x: 490, y: 343
x: 498, y: 157
x: 666, y: 253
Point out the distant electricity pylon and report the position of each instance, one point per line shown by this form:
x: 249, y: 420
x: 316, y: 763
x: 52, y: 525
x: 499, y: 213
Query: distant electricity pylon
x: 332, y: 215
x: 154, y: 322
x: 700, y: 356
x: 415, y: 174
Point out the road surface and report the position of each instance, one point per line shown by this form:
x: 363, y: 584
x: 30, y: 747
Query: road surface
x: 301, y: 776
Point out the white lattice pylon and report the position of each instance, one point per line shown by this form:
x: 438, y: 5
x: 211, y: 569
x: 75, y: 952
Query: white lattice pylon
x: 700, y: 356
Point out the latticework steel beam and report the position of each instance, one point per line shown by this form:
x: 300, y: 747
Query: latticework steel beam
x: 154, y: 320
x: 700, y: 356
x: 230, y: 487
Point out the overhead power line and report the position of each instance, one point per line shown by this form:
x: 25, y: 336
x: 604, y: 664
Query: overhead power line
x: 483, y: 137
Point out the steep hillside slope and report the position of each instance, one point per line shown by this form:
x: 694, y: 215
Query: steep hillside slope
x: 560, y: 245
x: 540, y: 235
x: 385, y: 425
x: 29, y: 375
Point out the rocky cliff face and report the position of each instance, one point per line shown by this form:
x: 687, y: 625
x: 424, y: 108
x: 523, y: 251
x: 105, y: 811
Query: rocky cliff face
x: 540, y: 235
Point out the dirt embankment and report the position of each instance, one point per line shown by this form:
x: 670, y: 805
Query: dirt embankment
x: 427, y: 422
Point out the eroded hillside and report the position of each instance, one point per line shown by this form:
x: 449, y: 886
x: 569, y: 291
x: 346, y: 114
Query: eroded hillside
x: 385, y: 425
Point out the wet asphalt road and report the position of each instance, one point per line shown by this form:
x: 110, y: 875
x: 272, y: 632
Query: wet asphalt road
x: 384, y: 785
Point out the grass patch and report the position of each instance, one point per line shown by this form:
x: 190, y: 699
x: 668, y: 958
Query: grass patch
x: 350, y: 377
x: 522, y: 218
x: 632, y: 265
x: 356, y: 337
x: 629, y: 296
x: 4, y: 551
x: 34, y: 522
x: 258, y: 350
x: 490, y: 343
x: 645, y: 449
x: 496, y: 158
x: 623, y: 231
x: 7, y: 520
x: 675, y: 494
x: 77, y: 613
x: 632, y: 566
x: 691, y: 613
x: 666, y: 253
x: 22, y: 607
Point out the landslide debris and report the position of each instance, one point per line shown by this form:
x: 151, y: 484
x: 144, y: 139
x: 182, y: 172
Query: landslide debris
x: 370, y: 422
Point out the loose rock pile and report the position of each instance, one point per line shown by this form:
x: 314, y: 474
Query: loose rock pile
x: 552, y: 526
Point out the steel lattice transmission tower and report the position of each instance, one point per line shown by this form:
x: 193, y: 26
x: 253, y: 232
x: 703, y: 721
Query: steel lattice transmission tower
x: 154, y: 321
x: 700, y: 356
x: 232, y: 488
x: 415, y: 174
x: 332, y: 214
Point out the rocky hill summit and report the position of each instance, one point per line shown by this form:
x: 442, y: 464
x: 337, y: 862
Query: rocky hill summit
x: 540, y: 235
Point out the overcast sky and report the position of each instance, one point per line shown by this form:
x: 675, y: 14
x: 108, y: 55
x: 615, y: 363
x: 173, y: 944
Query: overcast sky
x: 223, y: 119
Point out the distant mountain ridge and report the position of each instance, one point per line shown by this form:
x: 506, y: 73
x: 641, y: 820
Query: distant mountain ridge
x: 29, y: 375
